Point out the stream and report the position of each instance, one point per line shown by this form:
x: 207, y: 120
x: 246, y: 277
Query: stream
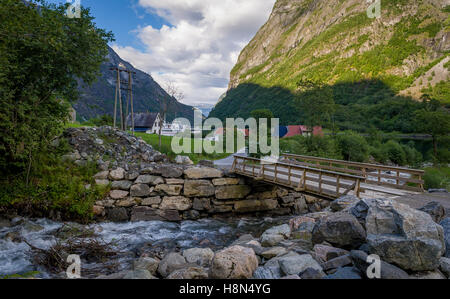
x: 129, y: 240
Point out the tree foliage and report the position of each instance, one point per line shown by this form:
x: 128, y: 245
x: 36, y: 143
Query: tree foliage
x: 43, y: 54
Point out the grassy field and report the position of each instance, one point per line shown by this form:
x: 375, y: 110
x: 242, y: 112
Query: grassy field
x: 166, y: 148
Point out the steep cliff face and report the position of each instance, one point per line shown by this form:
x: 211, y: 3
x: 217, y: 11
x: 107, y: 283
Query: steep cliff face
x: 98, y: 99
x: 335, y: 42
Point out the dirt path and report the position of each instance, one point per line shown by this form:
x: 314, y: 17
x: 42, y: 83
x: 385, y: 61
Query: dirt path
x: 417, y: 201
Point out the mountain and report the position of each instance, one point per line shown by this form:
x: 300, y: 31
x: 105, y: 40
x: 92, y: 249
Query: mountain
x: 371, y: 64
x: 98, y: 99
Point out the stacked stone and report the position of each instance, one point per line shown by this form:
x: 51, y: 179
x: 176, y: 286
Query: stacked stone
x: 170, y: 192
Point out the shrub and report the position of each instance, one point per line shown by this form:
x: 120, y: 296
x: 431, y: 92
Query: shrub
x: 395, y: 152
x: 437, y: 178
x: 354, y: 147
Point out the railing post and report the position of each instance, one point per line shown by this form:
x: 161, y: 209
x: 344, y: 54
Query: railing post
x: 338, y: 185
x: 233, y: 167
x: 357, y: 188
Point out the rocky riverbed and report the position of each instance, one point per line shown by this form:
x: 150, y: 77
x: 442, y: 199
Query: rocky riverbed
x: 332, y: 244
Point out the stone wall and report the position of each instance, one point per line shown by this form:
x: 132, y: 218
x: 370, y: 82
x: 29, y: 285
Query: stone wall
x: 173, y: 193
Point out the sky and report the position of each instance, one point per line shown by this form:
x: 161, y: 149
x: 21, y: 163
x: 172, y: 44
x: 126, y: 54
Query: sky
x: 193, y: 44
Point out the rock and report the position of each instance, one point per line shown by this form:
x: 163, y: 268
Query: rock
x: 184, y: 160
x: 121, y: 185
x: 118, y: 194
x: 178, y: 203
x: 341, y: 230
x: 275, y: 235
x: 273, y: 252
x: 435, y: 210
x: 170, y: 172
x: 198, y: 188
x: 226, y: 181
x: 272, y: 272
x: 199, y: 256
x: 431, y: 275
x: 303, y: 232
x: 202, y: 204
x: 203, y: 173
x: 132, y: 175
x: 149, y: 179
x: 32, y: 227
x: 114, y: 276
x: 98, y: 211
x: 147, y: 263
x: 246, y: 206
x: 126, y: 203
x: 344, y: 203
x: 437, y: 191
x: 311, y: 273
x: 388, y: 271
x: 296, y: 264
x: 206, y: 163
x: 326, y: 253
x: 446, y: 226
x: 189, y: 273
x: 345, y: 273
x: 102, y: 175
x: 234, y: 262
x: 295, y: 223
x: 150, y: 201
x: 291, y: 277
x: 102, y: 183
x: 139, y: 274
x: 140, y: 190
x: 150, y: 214
x: 172, y: 190
x: 338, y: 262
x: 174, y: 181
x: 444, y: 266
x: 404, y: 236
x: 232, y: 192
x: 117, y: 174
x: 117, y: 214
x: 171, y: 262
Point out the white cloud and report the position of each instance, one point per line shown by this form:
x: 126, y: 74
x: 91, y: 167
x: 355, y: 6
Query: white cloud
x: 199, y: 50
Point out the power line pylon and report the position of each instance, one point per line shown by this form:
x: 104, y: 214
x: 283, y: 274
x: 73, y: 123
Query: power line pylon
x: 118, y: 97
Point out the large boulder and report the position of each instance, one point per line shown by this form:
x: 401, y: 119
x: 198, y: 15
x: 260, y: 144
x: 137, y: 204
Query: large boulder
x: 189, y: 273
x: 198, y: 188
x: 325, y: 253
x: 344, y: 203
x: 203, y: 173
x: 435, y: 210
x: 345, y: 273
x: 403, y: 236
x: 171, y: 262
x: 147, y: 263
x: 275, y: 235
x: 199, y: 256
x: 341, y: 230
x: 446, y: 226
x: 269, y: 272
x: 295, y: 264
x: 232, y: 192
x: 387, y: 271
x: 139, y: 274
x: 234, y: 262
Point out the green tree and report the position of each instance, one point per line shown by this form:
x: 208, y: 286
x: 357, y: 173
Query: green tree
x: 354, y: 147
x: 316, y: 102
x: 436, y: 123
x: 43, y: 56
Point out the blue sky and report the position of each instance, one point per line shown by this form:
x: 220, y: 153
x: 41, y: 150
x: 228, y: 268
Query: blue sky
x: 192, y: 44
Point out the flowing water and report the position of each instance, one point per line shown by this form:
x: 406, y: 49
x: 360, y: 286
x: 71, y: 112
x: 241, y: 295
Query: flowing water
x: 130, y: 240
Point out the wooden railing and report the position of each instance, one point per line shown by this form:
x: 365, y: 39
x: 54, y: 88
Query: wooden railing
x: 316, y: 181
x: 400, y: 178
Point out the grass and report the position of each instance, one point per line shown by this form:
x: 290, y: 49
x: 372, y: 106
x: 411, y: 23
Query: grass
x: 54, y: 185
x: 437, y: 178
x: 166, y: 148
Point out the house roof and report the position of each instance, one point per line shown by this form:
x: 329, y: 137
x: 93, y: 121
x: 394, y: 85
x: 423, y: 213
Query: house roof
x: 143, y: 120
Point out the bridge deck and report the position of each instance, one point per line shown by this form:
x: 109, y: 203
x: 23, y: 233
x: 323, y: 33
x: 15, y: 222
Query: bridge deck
x: 324, y: 182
